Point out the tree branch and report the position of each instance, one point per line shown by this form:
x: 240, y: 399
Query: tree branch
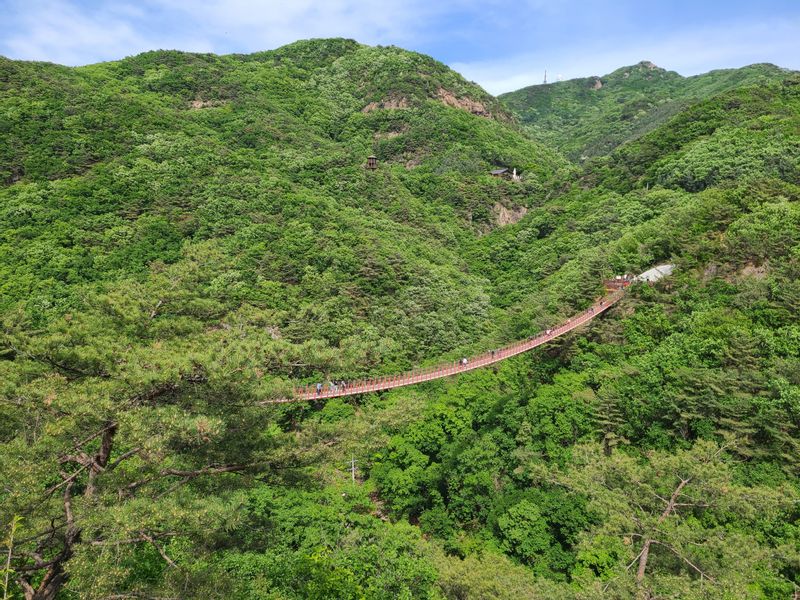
x: 207, y: 470
x: 67, y: 480
x: 187, y: 476
x: 136, y: 540
x: 100, y: 460
x: 115, y: 463
x: 96, y: 434
x: 163, y: 554
x: 667, y: 511
x: 686, y: 560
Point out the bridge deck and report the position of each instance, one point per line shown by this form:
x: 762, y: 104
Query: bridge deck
x: 363, y: 386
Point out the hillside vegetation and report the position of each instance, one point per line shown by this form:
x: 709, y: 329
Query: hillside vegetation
x: 185, y: 236
x: 591, y: 116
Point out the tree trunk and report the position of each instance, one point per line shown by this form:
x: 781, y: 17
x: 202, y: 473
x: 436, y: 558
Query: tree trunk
x: 49, y: 587
x: 100, y: 460
x: 54, y: 577
x: 644, y: 594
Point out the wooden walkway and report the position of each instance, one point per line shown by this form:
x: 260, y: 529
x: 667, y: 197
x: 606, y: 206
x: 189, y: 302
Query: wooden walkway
x: 364, y: 386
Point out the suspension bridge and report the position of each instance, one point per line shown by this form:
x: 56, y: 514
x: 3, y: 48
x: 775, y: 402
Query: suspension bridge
x: 615, y: 290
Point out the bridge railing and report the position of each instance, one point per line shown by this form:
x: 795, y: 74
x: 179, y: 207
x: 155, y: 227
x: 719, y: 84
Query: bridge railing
x: 417, y: 375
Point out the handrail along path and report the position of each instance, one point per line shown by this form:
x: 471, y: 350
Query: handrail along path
x: 376, y: 384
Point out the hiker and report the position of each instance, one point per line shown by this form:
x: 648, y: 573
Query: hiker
x: 464, y: 362
x: 492, y: 354
x: 548, y: 332
x: 319, y: 389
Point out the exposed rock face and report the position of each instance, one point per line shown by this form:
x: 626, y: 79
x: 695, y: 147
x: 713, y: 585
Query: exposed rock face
x: 199, y: 103
x: 751, y: 270
x: 386, y: 135
x: 444, y: 96
x: 468, y: 104
x: 389, y: 103
x: 508, y: 216
x: 597, y: 84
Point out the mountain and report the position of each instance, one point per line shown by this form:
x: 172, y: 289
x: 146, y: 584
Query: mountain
x: 729, y: 137
x: 258, y: 160
x: 184, y: 237
x: 591, y: 116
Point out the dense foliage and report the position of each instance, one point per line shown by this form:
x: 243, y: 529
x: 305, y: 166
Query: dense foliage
x: 184, y: 236
x: 591, y: 116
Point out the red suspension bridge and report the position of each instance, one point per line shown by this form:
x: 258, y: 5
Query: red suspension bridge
x: 615, y: 291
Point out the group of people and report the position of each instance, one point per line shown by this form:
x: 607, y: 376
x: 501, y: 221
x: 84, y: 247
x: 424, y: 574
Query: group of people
x: 333, y: 386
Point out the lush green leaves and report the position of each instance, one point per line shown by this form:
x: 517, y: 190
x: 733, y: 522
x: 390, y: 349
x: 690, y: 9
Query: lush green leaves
x: 183, y: 237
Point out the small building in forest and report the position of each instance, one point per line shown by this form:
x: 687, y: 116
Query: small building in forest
x: 506, y: 173
x: 372, y: 162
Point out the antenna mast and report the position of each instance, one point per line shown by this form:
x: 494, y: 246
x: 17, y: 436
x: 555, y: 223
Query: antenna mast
x: 545, y: 76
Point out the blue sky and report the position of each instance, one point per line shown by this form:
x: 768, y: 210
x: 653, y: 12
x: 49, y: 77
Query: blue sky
x: 501, y: 45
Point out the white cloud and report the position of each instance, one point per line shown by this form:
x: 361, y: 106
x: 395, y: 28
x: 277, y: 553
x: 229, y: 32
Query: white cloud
x: 84, y: 31
x: 258, y: 25
x: 688, y: 52
x: 290, y: 20
x: 58, y: 31
x: 71, y: 32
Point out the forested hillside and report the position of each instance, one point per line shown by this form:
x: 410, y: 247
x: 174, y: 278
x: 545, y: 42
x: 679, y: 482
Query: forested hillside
x: 185, y: 236
x: 591, y: 116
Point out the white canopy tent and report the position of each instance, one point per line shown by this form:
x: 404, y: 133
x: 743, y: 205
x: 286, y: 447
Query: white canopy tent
x: 656, y: 273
